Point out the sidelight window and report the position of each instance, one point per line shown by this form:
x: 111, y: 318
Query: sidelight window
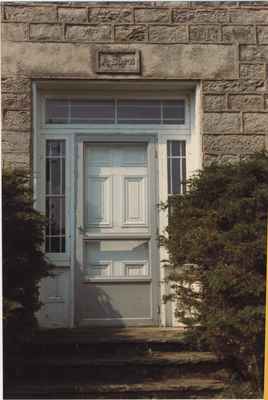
x: 176, y: 159
x: 55, y: 196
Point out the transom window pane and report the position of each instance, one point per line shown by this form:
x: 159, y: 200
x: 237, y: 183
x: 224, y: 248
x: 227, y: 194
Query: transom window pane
x: 55, y: 196
x: 80, y: 111
x: 132, y: 111
x: 173, y: 112
x: 57, y: 111
x: 91, y: 112
x: 139, y: 111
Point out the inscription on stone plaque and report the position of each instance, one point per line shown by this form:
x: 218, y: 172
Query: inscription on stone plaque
x: 118, y: 62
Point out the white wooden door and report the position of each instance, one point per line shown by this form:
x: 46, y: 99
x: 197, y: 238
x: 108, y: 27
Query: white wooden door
x: 115, y: 282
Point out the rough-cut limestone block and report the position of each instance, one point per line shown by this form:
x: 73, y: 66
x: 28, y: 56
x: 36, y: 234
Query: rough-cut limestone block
x: 178, y: 61
x: 235, y: 86
x: 81, y: 33
x: 72, y: 15
x: 210, y: 4
x: 214, y: 103
x: 252, y: 71
x: 14, y: 31
x: 249, y: 17
x: 266, y: 102
x: 240, y: 34
x: 16, y: 141
x: 17, y: 120
x: 46, y: 32
x: 119, y: 15
x: 220, y: 158
x: 204, y: 33
x: 256, y: 122
x: 16, y: 84
x: 254, y: 53
x: 16, y: 160
x: 221, y: 123
x: 262, y: 33
x: 31, y: 13
x: 168, y: 34
x: 239, y: 102
x: 130, y: 33
x: 16, y: 101
x: 200, y: 17
x: 153, y: 15
x: 233, y: 144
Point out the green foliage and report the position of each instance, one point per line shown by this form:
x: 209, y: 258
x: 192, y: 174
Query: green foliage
x: 217, y: 239
x: 9, y: 307
x: 24, y: 263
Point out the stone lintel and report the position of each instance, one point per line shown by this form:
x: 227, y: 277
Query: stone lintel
x: 176, y: 61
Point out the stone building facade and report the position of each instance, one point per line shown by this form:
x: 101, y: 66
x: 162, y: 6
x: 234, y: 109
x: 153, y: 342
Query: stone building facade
x: 216, y: 53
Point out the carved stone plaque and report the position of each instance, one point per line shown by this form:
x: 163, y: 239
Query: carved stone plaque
x: 118, y: 62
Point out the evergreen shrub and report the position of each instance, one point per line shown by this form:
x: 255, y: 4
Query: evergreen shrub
x: 24, y: 263
x: 217, y: 260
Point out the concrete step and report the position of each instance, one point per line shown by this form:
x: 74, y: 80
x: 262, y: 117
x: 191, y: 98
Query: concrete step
x: 179, y: 389
x: 155, y: 365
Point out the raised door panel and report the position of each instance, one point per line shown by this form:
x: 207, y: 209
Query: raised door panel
x: 116, y: 259
x: 134, y: 201
x: 99, y: 201
x: 54, y: 294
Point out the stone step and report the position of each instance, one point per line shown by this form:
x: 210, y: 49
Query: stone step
x: 108, y: 341
x: 197, y: 388
x: 111, y: 348
x: 113, y: 363
x: 155, y: 365
x: 111, y: 335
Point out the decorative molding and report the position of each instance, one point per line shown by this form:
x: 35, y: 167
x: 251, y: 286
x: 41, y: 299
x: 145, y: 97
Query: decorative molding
x: 118, y: 62
x: 135, y: 269
x: 100, y: 270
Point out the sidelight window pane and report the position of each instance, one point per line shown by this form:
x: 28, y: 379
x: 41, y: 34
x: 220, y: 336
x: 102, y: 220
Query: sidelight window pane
x: 176, y: 175
x: 176, y: 159
x: 55, y: 148
x: 55, y: 196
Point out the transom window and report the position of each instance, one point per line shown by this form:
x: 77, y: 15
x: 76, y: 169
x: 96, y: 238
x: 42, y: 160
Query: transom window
x: 113, y: 111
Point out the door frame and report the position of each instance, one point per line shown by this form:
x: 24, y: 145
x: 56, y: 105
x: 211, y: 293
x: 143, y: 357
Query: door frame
x: 153, y: 198
x: 41, y: 89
